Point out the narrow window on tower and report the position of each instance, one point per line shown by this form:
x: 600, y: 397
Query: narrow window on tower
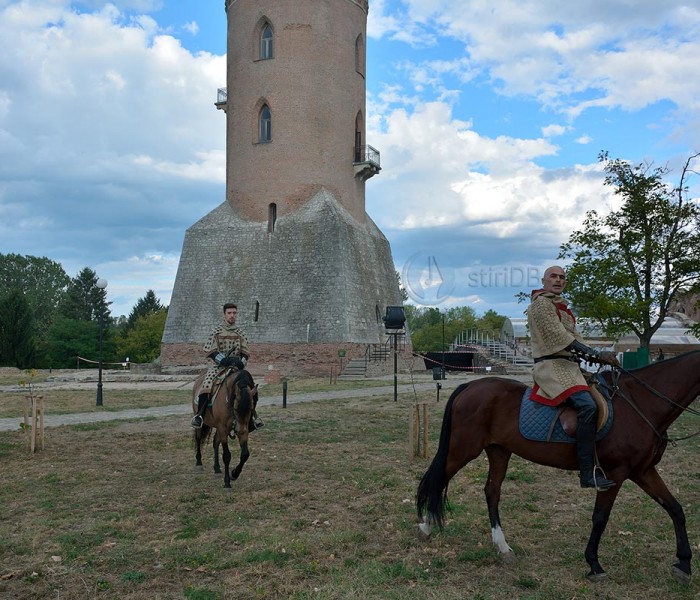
x: 265, y: 125
x: 359, y: 150
x: 377, y: 313
x: 271, y: 217
x: 257, y: 311
x: 266, y: 43
x: 360, y: 55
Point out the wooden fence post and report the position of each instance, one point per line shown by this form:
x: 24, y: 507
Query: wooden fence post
x: 418, y: 430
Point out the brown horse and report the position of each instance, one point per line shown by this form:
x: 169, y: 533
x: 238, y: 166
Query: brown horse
x: 483, y: 415
x: 232, y: 408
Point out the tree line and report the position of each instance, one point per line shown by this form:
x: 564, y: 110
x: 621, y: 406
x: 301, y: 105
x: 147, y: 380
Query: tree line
x: 48, y: 319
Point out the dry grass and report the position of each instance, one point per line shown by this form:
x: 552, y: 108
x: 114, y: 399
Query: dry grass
x: 324, y: 510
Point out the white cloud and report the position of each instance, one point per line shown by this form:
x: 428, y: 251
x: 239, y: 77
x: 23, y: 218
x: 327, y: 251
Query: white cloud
x: 554, y: 130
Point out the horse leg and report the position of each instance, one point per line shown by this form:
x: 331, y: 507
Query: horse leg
x: 226, y: 455
x: 601, y: 513
x: 245, y: 453
x: 498, y: 465
x: 198, y: 448
x: 216, y: 444
x: 650, y: 481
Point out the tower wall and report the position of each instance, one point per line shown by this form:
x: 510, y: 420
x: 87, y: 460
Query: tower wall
x: 314, y: 93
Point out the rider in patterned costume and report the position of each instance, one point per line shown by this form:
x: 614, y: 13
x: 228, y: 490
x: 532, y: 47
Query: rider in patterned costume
x: 227, y: 346
x: 557, y: 349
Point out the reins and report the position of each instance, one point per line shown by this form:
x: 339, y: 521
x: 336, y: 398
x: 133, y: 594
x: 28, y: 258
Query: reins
x: 615, y: 389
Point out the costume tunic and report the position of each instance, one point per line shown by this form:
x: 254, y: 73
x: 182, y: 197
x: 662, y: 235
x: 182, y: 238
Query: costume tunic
x: 229, y: 340
x: 552, y: 328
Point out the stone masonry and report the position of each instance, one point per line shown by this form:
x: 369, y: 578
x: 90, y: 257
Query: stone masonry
x: 292, y: 244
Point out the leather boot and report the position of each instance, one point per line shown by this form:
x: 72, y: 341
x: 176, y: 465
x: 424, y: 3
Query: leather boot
x: 198, y: 419
x: 585, y: 446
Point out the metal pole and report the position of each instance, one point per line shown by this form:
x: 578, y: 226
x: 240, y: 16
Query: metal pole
x: 442, y: 371
x: 395, y: 335
x: 98, y: 402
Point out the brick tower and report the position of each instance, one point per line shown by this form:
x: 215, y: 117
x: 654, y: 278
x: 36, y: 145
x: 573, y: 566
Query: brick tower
x: 292, y: 244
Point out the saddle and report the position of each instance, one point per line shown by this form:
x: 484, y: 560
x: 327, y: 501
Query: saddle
x: 543, y: 423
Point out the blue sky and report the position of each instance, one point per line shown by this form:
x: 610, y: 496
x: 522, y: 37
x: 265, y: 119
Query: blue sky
x: 489, y: 117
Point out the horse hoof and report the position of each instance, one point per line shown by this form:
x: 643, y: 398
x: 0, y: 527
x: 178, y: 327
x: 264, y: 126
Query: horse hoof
x: 424, y: 530
x: 680, y: 575
x: 508, y: 557
x: 597, y: 577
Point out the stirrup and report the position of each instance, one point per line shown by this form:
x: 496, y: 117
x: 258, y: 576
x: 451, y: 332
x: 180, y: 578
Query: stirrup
x: 600, y: 483
x: 197, y: 422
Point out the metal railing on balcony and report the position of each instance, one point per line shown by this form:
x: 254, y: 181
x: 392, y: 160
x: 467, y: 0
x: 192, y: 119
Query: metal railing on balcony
x: 221, y: 95
x: 367, y: 155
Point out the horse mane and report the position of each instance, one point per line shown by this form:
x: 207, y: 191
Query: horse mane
x: 244, y: 379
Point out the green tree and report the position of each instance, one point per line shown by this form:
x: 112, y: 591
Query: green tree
x: 144, y: 307
x: 83, y: 300
x: 629, y: 265
x: 142, y: 342
x: 491, y: 322
x: 70, y: 339
x: 43, y: 281
x: 17, y: 339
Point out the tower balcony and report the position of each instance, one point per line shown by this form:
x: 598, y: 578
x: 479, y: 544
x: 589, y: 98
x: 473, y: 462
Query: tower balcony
x: 221, y: 99
x: 366, y: 162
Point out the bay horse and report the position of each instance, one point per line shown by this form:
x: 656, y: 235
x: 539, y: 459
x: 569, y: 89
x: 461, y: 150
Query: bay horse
x: 483, y: 415
x: 233, y: 403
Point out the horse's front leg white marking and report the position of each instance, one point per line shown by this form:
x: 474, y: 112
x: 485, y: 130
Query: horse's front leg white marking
x: 425, y: 527
x: 500, y: 541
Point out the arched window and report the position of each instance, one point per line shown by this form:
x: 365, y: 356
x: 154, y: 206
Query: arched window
x: 360, y: 55
x: 271, y: 217
x: 265, y: 125
x: 266, y: 43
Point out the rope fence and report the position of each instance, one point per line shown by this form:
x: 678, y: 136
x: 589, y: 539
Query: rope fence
x: 124, y: 365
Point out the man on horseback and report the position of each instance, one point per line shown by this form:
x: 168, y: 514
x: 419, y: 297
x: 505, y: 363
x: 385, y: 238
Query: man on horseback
x: 557, y: 349
x: 227, y: 346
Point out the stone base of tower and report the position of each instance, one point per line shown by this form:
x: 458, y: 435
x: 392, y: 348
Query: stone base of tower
x: 308, y: 284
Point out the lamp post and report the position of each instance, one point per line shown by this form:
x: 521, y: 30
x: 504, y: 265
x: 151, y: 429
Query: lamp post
x: 101, y: 284
x: 442, y: 371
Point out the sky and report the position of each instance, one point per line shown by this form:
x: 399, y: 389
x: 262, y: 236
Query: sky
x: 489, y: 117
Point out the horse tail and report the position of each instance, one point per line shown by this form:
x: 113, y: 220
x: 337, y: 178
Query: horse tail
x: 204, y: 434
x: 431, y: 496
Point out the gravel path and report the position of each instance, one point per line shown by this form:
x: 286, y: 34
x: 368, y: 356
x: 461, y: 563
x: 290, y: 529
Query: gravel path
x: 183, y: 409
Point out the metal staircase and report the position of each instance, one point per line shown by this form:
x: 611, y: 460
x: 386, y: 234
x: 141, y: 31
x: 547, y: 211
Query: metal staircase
x: 501, y: 352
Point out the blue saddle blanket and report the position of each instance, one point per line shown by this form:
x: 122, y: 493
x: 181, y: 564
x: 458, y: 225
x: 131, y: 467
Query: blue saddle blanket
x: 540, y: 423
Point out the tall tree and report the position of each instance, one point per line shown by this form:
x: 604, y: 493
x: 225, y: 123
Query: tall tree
x: 144, y: 307
x: 17, y: 336
x: 142, y: 342
x: 70, y: 339
x: 84, y: 301
x: 42, y: 281
x: 629, y: 265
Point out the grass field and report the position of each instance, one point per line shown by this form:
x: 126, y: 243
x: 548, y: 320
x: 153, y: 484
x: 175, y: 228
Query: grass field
x: 323, y: 510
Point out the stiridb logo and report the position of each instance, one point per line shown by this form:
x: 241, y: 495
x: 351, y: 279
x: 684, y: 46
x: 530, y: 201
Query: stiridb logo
x: 425, y: 281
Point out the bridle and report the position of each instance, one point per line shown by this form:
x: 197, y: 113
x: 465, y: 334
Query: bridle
x: 615, y: 389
